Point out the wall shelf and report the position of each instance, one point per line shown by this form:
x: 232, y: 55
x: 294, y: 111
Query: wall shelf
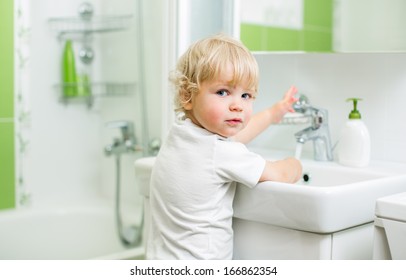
x: 84, y: 25
x: 72, y: 25
x: 86, y: 92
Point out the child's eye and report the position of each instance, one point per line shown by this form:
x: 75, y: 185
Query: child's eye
x: 246, y: 95
x: 222, y: 92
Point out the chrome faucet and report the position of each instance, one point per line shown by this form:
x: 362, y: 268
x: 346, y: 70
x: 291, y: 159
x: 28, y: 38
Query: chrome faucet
x: 318, y: 132
x: 127, y: 143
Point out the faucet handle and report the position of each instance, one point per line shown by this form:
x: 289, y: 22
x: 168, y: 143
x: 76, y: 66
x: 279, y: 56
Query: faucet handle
x: 317, y: 120
x: 127, y: 128
x: 119, y: 124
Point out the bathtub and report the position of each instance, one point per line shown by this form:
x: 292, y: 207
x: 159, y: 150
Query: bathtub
x: 80, y: 232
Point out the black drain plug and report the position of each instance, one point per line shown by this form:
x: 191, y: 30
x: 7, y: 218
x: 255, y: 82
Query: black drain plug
x: 306, y: 177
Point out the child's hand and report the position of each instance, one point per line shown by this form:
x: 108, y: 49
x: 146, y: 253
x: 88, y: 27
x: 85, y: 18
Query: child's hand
x: 280, y: 108
x: 288, y: 170
x: 271, y: 115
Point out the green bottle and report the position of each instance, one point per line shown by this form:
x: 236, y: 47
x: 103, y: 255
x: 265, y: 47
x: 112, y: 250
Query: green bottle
x: 69, y: 78
x: 83, y: 85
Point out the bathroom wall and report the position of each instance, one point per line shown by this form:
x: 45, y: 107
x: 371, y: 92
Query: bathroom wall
x: 63, y: 159
x: 124, y: 57
x: 380, y: 28
x: 328, y: 79
x: 7, y: 194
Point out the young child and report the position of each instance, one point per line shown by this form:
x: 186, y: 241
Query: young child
x: 194, y: 178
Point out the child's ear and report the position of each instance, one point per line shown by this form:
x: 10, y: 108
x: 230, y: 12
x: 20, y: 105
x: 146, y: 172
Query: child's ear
x: 188, y: 106
x: 187, y: 100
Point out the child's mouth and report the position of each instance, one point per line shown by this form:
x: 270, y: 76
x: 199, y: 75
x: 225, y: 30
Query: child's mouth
x: 234, y: 121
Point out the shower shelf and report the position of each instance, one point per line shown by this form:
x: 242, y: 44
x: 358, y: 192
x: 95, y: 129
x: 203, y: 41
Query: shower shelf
x: 86, y: 92
x: 80, y: 28
x: 71, y: 25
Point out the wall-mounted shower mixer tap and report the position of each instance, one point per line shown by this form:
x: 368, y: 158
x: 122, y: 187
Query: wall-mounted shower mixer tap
x: 127, y: 143
x: 130, y: 236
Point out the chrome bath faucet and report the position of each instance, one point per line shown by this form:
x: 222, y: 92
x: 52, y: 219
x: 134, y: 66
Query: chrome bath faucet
x: 127, y: 143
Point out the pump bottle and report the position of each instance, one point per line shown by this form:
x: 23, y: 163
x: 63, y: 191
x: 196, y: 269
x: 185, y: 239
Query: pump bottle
x: 354, y: 146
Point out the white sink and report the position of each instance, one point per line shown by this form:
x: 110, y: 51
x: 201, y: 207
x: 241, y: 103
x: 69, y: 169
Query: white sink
x: 335, y: 197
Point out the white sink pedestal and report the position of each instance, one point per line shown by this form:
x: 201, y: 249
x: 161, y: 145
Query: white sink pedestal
x: 253, y: 240
x: 329, y: 216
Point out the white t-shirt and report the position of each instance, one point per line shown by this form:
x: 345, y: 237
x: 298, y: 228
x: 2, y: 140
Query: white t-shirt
x: 192, y: 190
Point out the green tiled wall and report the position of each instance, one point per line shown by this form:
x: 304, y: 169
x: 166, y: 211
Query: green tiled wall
x: 7, y: 167
x: 316, y: 35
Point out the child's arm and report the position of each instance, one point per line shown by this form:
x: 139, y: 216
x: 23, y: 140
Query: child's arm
x: 260, y: 121
x: 288, y: 170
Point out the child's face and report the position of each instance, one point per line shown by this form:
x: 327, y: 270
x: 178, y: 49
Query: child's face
x: 220, y: 107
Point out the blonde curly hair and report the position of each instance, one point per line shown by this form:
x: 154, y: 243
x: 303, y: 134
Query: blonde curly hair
x: 205, y: 60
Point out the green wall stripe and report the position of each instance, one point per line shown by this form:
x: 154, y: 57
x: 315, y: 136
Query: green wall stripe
x: 7, y: 182
x: 7, y: 154
x: 316, y: 35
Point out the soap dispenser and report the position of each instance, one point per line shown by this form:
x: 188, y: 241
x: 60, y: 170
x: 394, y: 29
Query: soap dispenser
x: 354, y: 146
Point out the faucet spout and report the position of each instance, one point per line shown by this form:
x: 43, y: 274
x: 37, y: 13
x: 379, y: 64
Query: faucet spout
x: 306, y: 134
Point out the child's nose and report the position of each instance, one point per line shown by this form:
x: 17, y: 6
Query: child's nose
x: 236, y: 105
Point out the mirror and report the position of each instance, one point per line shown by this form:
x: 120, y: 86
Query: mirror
x: 323, y: 25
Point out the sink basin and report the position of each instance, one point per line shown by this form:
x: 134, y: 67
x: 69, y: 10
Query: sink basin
x: 329, y: 198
